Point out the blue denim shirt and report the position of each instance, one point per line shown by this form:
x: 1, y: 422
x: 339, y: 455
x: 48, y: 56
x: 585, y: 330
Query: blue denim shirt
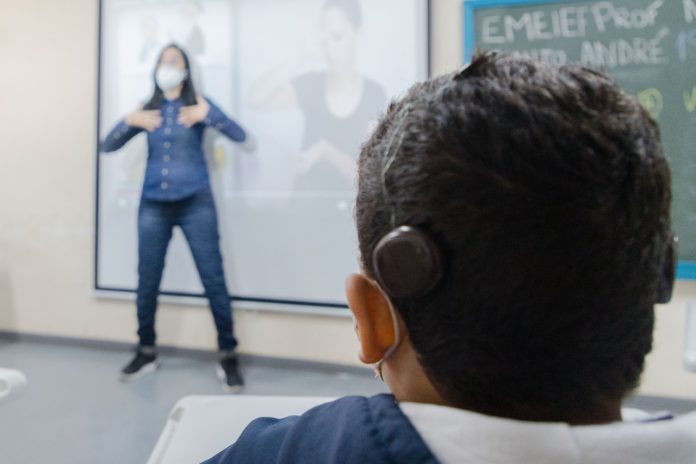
x: 176, y: 166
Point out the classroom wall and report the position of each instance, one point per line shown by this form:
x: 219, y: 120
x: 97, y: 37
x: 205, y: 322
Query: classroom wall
x: 48, y: 52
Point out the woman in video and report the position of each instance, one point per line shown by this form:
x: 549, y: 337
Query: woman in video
x: 338, y: 103
x: 176, y: 192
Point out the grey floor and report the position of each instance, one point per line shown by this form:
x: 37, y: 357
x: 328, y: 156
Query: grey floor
x: 76, y: 411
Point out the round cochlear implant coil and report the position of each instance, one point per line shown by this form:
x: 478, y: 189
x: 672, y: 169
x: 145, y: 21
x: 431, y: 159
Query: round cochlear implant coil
x: 407, y: 262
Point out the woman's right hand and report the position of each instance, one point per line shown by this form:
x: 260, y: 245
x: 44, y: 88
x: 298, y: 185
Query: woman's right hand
x: 145, y: 119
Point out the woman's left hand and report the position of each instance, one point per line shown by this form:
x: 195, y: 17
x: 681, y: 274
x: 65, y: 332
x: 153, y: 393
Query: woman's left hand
x: 192, y: 115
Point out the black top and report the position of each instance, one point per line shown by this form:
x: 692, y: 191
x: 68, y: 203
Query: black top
x: 344, y: 133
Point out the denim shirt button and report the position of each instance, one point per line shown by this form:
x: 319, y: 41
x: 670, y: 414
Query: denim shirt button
x: 167, y: 158
x: 165, y: 171
x: 167, y: 145
x: 167, y: 131
x: 164, y: 185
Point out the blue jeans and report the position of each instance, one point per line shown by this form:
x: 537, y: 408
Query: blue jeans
x: 197, y: 217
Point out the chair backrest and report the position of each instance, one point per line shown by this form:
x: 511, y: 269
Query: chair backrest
x: 690, y: 342
x: 201, y: 426
x: 12, y: 383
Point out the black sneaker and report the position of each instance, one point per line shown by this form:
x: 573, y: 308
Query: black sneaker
x: 144, y: 362
x: 228, y: 373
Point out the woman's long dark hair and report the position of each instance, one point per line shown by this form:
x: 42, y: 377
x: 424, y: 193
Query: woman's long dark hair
x: 188, y: 93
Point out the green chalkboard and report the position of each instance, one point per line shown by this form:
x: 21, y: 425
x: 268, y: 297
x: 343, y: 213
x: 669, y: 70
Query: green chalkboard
x: 648, y: 46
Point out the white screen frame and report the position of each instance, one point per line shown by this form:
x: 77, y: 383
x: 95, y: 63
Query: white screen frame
x: 255, y: 301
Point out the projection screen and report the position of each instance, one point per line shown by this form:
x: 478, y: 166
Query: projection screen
x: 274, y: 66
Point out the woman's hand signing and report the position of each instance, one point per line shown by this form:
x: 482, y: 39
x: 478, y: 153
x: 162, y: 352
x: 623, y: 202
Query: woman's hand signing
x: 145, y: 119
x: 192, y: 115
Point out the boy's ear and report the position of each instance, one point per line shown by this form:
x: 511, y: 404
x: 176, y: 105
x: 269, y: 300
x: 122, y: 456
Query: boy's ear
x: 373, y: 317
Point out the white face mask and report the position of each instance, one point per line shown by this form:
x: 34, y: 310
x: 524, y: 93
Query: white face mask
x: 168, y: 77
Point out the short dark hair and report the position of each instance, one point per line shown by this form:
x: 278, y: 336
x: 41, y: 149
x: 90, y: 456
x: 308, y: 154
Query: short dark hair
x: 548, y: 192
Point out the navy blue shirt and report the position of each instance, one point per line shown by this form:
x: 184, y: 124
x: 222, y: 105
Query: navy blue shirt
x: 353, y: 430
x: 176, y: 167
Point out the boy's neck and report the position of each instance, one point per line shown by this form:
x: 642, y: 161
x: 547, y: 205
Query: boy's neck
x: 406, y: 378
x: 408, y: 382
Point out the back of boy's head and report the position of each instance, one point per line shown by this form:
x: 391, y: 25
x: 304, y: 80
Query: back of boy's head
x: 548, y: 193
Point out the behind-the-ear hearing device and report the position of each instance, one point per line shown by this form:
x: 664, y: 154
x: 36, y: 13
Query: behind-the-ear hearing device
x: 407, y: 262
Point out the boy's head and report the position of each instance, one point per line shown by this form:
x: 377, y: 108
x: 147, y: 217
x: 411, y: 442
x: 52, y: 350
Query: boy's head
x: 547, y: 192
